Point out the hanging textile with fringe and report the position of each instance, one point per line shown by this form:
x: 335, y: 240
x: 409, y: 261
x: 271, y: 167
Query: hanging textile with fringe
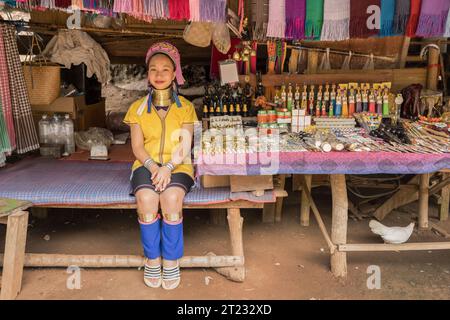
x: 336, y: 20
x: 359, y: 15
x: 413, y: 21
x: 277, y: 19
x: 179, y: 9
x: 213, y: 10
x: 5, y: 96
x: 194, y: 10
x: 314, y: 19
x: 260, y: 20
x: 158, y: 9
x: 401, y: 16
x: 433, y: 16
x: 26, y: 137
x: 295, y: 19
x: 387, y: 17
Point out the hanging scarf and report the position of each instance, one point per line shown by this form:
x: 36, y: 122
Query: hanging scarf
x: 5, y: 94
x: 359, y: 18
x: 179, y: 9
x: 401, y: 16
x: 213, y: 10
x: 277, y: 19
x: 447, y: 26
x: 295, y: 19
x: 123, y: 6
x: 260, y: 18
x: 4, y: 139
x: 25, y: 130
x: 158, y: 9
x: 413, y: 21
x: 63, y: 3
x: 433, y: 16
x: 77, y: 4
x: 314, y: 19
x: 336, y: 20
x: 387, y: 17
x: 194, y: 10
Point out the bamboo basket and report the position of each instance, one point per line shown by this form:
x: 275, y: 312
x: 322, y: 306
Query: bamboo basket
x: 43, y: 83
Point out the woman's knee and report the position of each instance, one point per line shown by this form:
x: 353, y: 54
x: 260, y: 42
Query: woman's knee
x: 172, y: 197
x: 147, y: 200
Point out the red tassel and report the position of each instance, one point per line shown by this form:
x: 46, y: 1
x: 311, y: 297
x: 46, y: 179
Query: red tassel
x: 179, y: 9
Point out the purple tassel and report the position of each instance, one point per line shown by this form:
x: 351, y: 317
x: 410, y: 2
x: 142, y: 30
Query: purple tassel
x: 213, y: 10
x: 295, y: 19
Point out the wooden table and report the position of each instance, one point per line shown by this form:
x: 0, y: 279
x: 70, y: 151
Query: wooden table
x: 337, y: 242
x: 13, y: 214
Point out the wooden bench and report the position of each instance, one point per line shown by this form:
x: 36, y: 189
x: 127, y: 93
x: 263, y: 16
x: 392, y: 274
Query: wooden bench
x: 14, y: 216
x: 232, y: 266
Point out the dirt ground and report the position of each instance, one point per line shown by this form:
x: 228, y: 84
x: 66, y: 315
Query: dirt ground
x: 284, y: 260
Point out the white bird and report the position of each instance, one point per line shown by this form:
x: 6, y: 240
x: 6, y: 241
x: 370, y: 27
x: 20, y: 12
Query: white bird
x: 394, y: 235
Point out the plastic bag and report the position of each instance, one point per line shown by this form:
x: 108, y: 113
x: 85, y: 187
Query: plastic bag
x: 94, y: 136
x: 221, y: 37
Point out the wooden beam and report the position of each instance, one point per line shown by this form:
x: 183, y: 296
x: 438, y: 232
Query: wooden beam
x: 433, y: 68
x: 33, y: 260
x: 16, y: 237
x: 419, y: 246
x: 304, y: 202
x: 339, y: 224
x: 445, y: 199
x: 400, y: 198
x: 423, y: 201
x: 404, y: 52
x: 235, y: 223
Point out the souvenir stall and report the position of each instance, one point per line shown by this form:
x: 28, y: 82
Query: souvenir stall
x: 301, y: 88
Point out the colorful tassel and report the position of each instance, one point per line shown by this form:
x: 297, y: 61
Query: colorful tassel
x: 213, y: 10
x: 401, y: 16
x: 414, y: 15
x: 336, y: 20
x: 387, y: 17
x: 295, y: 19
x: 433, y: 17
x: 194, y: 10
x: 314, y: 19
x: 179, y: 9
x: 277, y: 19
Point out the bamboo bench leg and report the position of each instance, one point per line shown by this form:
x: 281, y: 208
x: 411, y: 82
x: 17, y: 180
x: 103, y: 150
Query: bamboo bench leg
x: 235, y: 223
x: 279, y: 204
x: 305, y: 206
x: 339, y: 224
x: 16, y: 236
x: 423, y: 201
x: 445, y: 199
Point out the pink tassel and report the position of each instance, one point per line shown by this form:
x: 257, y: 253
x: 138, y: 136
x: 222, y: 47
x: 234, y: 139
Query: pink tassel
x: 194, y: 10
x: 179, y: 9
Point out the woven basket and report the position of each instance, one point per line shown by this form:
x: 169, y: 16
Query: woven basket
x: 43, y: 83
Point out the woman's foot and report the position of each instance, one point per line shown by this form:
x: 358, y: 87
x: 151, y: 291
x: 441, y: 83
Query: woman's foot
x: 152, y: 273
x: 171, y: 277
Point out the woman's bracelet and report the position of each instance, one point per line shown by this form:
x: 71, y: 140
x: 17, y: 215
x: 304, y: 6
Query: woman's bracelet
x: 148, y: 163
x: 169, y: 165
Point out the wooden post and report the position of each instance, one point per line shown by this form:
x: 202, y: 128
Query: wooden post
x: 313, y: 62
x: 305, y: 206
x: 433, y: 68
x: 218, y: 216
x: 404, y: 52
x: 39, y: 213
x: 16, y: 237
x: 279, y: 205
x: 445, y: 196
x: 423, y: 201
x: 339, y: 224
x: 269, y: 212
x: 235, y: 223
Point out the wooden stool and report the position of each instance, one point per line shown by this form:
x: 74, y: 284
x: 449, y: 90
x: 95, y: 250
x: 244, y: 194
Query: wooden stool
x: 16, y: 219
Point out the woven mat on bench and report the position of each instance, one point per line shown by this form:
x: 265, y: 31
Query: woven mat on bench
x: 52, y: 182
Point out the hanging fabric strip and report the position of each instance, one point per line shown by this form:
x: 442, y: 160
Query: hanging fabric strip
x: 295, y: 19
x: 387, y: 17
x: 194, y: 10
x: 401, y: 16
x: 158, y: 9
x: 433, y: 16
x: 179, y: 9
x: 325, y: 65
x: 314, y: 19
x: 49, y: 4
x: 413, y: 21
x: 63, y: 3
x: 362, y: 21
x: 277, y: 19
x: 4, y: 139
x: 123, y: 6
x: 77, y: 4
x: 260, y: 20
x: 447, y: 26
x: 213, y: 10
x: 336, y: 20
x: 27, y: 139
x: 6, y: 95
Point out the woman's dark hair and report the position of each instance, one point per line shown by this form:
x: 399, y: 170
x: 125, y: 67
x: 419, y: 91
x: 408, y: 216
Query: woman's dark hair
x: 163, y: 54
